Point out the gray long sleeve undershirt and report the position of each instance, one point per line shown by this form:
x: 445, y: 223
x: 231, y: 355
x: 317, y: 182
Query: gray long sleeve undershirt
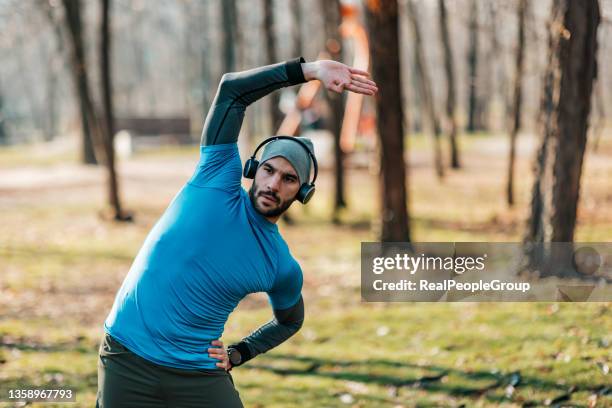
x: 285, y: 324
x: 236, y: 91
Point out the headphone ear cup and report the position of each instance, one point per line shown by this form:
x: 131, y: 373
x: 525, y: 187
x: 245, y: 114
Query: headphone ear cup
x: 305, y: 193
x: 250, y: 168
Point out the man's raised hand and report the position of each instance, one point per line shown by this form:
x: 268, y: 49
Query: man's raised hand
x: 337, y: 77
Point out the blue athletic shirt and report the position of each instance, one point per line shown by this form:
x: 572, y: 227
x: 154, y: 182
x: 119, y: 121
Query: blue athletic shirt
x: 208, y: 251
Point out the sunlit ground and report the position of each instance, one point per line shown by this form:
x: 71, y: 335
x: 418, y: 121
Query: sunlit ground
x: 61, y: 265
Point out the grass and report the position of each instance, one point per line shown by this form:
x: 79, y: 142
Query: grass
x: 61, y: 265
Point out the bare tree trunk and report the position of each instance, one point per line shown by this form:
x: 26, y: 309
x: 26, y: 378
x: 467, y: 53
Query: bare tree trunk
x: 333, y: 45
x: 205, y: 73
x: 26, y: 86
x: 140, y: 68
x: 600, y: 124
x: 108, y: 126
x: 414, y: 115
x: 487, y: 84
x: 382, y: 20
x: 50, y: 128
x: 102, y: 144
x: 230, y: 41
x: 449, y: 71
x: 540, y: 198
x: 499, y: 73
x: 3, y: 135
x: 56, y: 64
x: 517, y: 99
x: 296, y: 12
x: 425, y: 88
x: 276, y: 116
x: 473, y: 68
x: 72, y: 10
x: 568, y: 87
x: 578, y: 64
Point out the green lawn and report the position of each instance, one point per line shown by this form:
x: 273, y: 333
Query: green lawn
x: 61, y: 265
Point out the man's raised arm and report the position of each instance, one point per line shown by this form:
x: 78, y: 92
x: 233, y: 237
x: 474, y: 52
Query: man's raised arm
x: 238, y: 90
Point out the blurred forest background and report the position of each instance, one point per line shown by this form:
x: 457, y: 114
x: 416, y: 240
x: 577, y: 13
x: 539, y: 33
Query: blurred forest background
x: 492, y: 123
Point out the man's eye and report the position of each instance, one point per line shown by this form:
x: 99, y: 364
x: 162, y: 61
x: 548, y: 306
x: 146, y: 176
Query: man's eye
x: 290, y: 179
x: 268, y: 170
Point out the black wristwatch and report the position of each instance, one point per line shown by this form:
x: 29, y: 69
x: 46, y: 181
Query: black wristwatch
x: 234, y: 356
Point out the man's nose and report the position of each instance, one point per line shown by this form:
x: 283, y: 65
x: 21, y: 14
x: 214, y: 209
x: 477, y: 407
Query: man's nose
x: 274, y: 184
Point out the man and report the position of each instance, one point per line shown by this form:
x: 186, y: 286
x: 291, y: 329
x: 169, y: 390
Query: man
x: 214, y: 245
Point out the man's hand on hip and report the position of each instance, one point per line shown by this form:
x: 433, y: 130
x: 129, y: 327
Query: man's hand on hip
x: 220, y: 353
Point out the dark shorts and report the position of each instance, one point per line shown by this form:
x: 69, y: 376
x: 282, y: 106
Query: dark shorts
x: 128, y: 380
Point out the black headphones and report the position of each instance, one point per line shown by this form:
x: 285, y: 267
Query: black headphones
x: 306, y: 189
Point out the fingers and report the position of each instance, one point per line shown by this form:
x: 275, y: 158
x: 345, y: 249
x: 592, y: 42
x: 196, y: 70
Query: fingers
x: 226, y: 366
x: 364, y: 81
x: 359, y: 89
x: 359, y: 72
x: 220, y: 353
x: 364, y: 86
x: 216, y: 352
x: 356, y: 83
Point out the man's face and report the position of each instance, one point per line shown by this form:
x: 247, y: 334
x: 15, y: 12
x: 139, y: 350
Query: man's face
x: 274, y: 188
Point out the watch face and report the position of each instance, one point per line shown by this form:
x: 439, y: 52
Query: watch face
x: 234, y: 356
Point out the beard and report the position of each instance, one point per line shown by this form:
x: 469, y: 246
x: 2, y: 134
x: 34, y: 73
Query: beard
x: 281, y: 206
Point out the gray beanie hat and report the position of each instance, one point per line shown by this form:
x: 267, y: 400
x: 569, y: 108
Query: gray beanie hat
x: 293, y: 152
